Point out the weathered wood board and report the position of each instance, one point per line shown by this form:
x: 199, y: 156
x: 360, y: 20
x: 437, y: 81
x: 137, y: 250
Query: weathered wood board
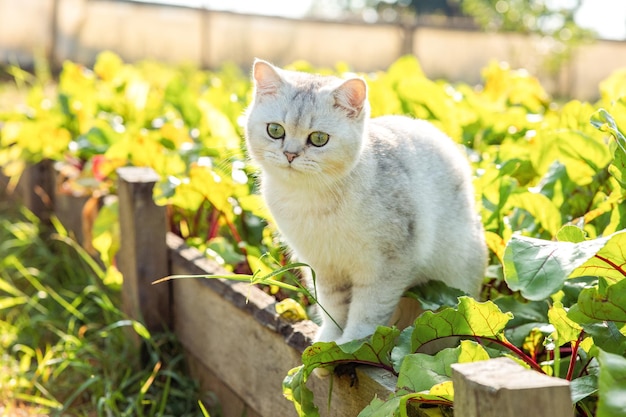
x: 236, y: 344
x: 503, y: 388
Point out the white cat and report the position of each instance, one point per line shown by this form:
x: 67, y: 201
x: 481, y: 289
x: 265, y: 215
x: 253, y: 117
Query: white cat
x: 374, y: 206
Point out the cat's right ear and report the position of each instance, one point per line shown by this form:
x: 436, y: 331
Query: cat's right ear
x: 267, y: 80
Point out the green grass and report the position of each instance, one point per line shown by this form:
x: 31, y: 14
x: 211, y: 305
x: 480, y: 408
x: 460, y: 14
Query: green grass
x: 65, y: 346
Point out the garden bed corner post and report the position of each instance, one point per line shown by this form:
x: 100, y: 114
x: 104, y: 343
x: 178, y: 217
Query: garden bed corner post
x: 143, y: 255
x: 503, y: 388
x: 36, y: 187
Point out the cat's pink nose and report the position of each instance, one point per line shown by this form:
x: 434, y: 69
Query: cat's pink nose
x: 290, y: 156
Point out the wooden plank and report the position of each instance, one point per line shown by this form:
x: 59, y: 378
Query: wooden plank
x: 250, y: 359
x: 348, y: 398
x: 142, y: 258
x: 69, y: 210
x: 221, y: 398
x: 233, y: 330
x: 36, y: 188
x: 503, y: 388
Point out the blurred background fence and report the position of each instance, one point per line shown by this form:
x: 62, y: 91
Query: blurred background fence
x: 79, y: 29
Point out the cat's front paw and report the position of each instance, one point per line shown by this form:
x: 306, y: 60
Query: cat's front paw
x: 328, y: 333
x: 359, y: 333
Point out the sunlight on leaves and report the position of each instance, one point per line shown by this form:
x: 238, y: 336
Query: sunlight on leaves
x: 538, y: 268
x: 470, y: 318
x: 604, y: 302
x: 605, y: 122
x: 565, y: 329
x: 609, y: 261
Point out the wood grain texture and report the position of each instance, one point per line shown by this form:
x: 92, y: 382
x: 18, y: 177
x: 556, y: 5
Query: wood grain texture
x: 37, y: 189
x: 142, y: 257
x: 503, y: 388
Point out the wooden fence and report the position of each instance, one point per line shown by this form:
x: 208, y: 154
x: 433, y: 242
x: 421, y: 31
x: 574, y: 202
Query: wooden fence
x: 79, y: 29
x: 236, y: 344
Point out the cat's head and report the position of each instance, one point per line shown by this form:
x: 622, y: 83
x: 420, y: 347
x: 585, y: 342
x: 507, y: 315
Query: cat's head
x: 304, y: 127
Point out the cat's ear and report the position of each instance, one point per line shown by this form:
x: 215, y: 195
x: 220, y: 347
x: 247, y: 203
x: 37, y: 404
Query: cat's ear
x: 351, y: 96
x: 267, y: 80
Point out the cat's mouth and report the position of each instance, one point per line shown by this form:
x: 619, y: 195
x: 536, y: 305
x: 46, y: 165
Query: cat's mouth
x: 290, y: 163
x: 293, y: 167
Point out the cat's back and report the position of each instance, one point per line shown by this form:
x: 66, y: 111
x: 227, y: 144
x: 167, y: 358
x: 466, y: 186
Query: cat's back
x: 400, y: 142
x: 423, y: 176
x: 406, y: 132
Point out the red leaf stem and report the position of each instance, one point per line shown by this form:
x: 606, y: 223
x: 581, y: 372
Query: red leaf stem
x: 236, y: 235
x: 572, y: 361
x: 517, y: 351
x: 612, y: 264
x: 213, y: 223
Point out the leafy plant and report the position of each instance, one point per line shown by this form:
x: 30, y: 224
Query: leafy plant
x: 549, y: 179
x: 579, y: 329
x: 552, y: 197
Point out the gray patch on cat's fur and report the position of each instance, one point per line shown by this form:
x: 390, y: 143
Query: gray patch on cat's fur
x: 303, y: 100
x: 347, y: 290
x: 388, y: 161
x: 402, y: 225
x: 391, y: 175
x: 411, y: 229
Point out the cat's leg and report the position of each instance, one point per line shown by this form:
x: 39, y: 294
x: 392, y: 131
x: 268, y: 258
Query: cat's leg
x: 371, y: 306
x: 333, y: 304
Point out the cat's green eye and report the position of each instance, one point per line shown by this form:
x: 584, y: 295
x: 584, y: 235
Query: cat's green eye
x: 319, y: 138
x: 275, y: 131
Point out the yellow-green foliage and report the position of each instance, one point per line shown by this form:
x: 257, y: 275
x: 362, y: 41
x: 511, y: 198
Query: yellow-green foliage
x: 550, y: 181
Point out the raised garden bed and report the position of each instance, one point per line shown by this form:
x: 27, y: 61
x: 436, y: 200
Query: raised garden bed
x: 239, y: 347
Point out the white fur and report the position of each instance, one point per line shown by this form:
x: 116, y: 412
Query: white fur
x: 386, y: 204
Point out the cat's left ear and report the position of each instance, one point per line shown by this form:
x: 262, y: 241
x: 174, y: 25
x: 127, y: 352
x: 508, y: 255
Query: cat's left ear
x: 351, y: 96
x: 267, y: 80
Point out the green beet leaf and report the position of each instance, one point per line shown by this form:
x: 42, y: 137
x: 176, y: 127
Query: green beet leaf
x: 469, y: 318
x: 583, y: 387
x: 565, y: 329
x: 419, y: 371
x: 608, y: 262
x: 434, y: 295
x: 570, y: 233
x: 296, y: 391
x: 604, y: 302
x: 402, y: 348
x: 538, y: 268
x: 611, y: 385
x: 376, y: 351
x: 523, y: 312
x: 540, y: 207
x: 373, y: 351
x: 380, y: 408
x: 606, y: 334
x: 581, y: 154
x: 180, y: 94
x: 602, y: 120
